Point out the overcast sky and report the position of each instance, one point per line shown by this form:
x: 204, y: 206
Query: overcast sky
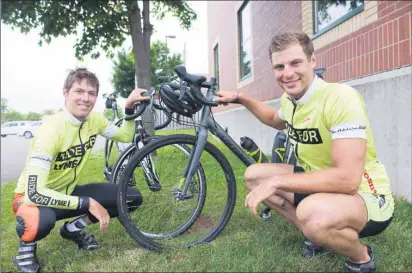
x: 32, y: 77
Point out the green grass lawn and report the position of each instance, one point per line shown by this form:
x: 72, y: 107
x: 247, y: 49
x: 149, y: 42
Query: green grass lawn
x: 247, y: 243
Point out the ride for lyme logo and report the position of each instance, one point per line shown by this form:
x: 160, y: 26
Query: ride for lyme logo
x: 42, y: 199
x: 305, y: 136
x: 71, y: 158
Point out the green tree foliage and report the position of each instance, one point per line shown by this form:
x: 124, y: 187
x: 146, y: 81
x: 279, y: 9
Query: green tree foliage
x: 161, y: 62
x: 13, y: 115
x: 33, y: 116
x: 47, y: 112
x: 123, y: 78
x: 4, y: 105
x: 98, y: 25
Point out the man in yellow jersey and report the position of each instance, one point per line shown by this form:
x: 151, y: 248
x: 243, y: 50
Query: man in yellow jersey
x: 47, y: 189
x: 338, y: 192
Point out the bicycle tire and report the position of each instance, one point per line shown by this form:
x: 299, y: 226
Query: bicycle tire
x: 126, y: 153
x: 124, y: 215
x: 199, y: 206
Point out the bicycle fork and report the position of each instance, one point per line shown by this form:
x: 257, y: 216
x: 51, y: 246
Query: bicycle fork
x: 192, y: 166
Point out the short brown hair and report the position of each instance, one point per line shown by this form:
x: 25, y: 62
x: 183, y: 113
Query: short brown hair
x: 78, y: 75
x: 283, y: 40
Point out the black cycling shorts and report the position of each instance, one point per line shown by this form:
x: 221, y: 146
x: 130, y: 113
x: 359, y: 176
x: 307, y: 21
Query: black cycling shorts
x: 371, y: 228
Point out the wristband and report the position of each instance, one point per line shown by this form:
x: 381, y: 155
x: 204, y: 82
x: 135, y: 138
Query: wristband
x: 129, y: 111
x: 83, y: 204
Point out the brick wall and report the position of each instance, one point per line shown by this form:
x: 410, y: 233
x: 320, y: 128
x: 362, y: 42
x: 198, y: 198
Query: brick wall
x: 268, y: 17
x: 375, y: 40
x: 380, y: 46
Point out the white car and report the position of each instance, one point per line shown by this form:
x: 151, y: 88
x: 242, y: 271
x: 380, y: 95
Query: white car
x: 12, y: 127
x: 30, y: 129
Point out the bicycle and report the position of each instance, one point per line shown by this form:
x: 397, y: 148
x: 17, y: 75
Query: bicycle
x: 111, y: 156
x: 153, y: 235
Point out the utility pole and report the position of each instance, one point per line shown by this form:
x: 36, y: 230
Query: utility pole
x: 171, y: 37
x: 167, y: 55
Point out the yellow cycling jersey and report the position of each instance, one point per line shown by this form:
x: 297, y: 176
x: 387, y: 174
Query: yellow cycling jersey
x: 58, y: 154
x: 329, y: 111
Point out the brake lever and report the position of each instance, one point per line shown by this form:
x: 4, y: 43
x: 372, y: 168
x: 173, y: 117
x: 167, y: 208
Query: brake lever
x: 182, y: 90
x: 151, y: 92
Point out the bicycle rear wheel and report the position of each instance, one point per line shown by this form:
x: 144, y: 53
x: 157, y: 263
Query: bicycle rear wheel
x: 166, y: 221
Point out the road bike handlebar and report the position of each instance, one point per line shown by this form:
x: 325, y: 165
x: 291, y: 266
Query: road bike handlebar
x: 196, y: 83
x: 141, y: 107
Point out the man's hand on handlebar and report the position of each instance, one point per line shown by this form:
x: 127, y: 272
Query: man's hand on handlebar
x: 227, y: 97
x: 136, y: 96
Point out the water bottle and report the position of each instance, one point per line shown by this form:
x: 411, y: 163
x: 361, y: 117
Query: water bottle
x: 253, y: 150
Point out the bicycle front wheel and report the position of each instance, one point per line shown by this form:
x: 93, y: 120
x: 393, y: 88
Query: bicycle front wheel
x: 165, y: 218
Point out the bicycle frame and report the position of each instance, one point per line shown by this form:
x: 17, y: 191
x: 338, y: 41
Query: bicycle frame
x: 139, y: 140
x: 207, y: 123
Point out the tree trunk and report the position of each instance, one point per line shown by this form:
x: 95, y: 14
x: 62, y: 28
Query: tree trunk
x: 141, y: 50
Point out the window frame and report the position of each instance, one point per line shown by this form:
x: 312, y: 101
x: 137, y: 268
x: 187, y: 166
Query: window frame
x: 240, y: 45
x: 216, y: 65
x: 334, y: 23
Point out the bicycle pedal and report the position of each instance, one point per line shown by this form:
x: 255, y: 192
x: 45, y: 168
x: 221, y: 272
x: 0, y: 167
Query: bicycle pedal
x: 182, y: 197
x: 266, y: 216
x: 132, y: 182
x: 155, y: 187
x: 106, y: 174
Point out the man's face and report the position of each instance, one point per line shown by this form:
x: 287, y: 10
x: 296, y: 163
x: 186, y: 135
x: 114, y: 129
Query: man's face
x: 80, y: 99
x: 293, y: 71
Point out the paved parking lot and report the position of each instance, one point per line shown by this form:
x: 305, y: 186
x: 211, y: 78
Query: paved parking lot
x: 14, y: 151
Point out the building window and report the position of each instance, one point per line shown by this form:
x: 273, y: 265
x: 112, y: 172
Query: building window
x: 245, y: 41
x: 330, y: 13
x: 216, y: 59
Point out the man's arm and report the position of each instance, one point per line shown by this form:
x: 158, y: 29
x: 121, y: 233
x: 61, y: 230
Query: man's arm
x: 345, y: 116
x: 344, y: 177
x: 36, y: 173
x: 348, y: 155
x: 126, y: 132
x: 266, y: 114
x: 38, y: 194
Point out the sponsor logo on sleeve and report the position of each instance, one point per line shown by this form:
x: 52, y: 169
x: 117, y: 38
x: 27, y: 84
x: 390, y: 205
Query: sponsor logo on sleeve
x: 41, y: 199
